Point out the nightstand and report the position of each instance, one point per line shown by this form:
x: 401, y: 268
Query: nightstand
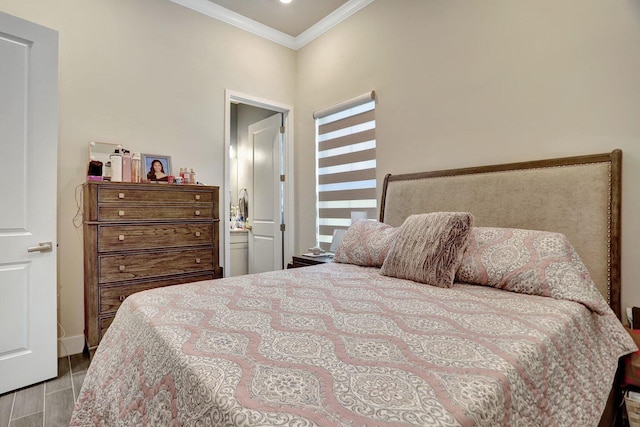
x: 627, y: 379
x: 305, y: 261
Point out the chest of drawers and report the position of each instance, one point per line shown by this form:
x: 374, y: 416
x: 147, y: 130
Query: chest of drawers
x: 143, y: 236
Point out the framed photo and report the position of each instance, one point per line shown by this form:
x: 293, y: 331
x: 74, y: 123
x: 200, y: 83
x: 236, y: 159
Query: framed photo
x: 156, y: 167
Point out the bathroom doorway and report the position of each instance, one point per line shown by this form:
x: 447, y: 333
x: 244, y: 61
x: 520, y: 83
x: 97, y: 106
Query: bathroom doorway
x: 256, y: 209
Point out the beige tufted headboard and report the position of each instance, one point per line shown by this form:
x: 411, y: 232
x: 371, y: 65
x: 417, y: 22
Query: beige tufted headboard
x: 577, y: 196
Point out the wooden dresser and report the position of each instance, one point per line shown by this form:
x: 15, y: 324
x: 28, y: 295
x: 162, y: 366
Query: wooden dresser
x: 143, y: 236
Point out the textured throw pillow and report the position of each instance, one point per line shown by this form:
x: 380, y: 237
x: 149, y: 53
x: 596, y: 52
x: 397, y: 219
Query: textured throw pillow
x: 365, y: 243
x: 529, y: 262
x: 428, y: 248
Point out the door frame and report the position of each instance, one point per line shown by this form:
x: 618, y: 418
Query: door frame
x: 233, y: 97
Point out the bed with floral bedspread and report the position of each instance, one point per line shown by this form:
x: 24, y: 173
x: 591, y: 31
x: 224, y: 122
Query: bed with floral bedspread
x: 341, y: 344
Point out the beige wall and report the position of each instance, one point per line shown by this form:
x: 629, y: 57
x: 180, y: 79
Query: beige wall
x: 151, y: 75
x: 464, y: 83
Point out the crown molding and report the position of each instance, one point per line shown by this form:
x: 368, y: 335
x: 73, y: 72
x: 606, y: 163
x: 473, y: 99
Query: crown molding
x: 330, y: 21
x: 216, y: 11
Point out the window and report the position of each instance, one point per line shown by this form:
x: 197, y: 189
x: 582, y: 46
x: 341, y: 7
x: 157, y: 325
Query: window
x: 346, y: 165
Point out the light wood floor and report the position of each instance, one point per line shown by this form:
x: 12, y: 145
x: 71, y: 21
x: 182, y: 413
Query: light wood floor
x: 49, y: 403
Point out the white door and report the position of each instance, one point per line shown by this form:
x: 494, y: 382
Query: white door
x: 265, y: 202
x: 29, y: 145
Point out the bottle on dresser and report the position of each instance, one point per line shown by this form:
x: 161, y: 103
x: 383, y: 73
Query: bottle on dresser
x: 126, y: 166
x: 106, y: 172
x: 116, y: 165
x: 135, y: 168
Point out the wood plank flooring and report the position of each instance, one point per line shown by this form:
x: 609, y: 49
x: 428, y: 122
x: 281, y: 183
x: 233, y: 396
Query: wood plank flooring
x: 49, y: 403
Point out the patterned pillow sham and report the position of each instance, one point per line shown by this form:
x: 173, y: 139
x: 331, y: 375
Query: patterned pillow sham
x: 365, y: 243
x: 429, y: 247
x: 529, y: 262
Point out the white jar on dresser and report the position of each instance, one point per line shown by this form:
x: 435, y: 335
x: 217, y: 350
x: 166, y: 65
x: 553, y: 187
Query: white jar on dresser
x: 143, y: 236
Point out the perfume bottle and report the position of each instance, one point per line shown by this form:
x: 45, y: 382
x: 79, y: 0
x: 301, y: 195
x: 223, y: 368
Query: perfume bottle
x: 126, y: 166
x: 135, y: 168
x: 116, y: 166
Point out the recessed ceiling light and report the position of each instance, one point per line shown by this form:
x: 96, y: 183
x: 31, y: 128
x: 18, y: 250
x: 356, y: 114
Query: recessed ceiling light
x: 285, y: 1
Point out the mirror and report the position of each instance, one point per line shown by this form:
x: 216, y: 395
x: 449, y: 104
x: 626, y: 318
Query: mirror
x: 101, y: 151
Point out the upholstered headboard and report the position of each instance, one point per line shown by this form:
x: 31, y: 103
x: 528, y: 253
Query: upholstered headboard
x: 577, y: 196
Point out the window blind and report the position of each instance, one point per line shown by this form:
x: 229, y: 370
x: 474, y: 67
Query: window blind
x: 346, y: 165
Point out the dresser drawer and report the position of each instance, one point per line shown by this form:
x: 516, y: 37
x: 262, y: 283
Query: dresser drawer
x: 153, y: 236
x: 151, y: 195
x: 112, y: 296
x: 118, y: 268
x: 138, y: 213
x: 104, y: 323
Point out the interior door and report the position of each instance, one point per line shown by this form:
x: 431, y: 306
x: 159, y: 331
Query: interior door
x: 28, y: 137
x: 265, y: 204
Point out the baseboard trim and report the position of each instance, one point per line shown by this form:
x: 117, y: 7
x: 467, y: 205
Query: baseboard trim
x: 70, y: 345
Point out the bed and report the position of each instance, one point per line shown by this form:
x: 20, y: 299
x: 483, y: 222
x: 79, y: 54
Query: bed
x: 344, y: 344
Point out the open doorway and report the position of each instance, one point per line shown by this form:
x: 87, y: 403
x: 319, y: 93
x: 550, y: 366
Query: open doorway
x: 258, y: 172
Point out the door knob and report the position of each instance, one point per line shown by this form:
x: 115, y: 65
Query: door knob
x: 42, y: 247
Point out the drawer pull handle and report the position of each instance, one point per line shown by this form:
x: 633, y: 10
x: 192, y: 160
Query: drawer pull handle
x: 197, y: 234
x: 121, y: 237
x: 121, y: 268
x: 120, y: 195
x: 120, y: 213
x: 197, y: 197
x: 197, y: 260
x: 197, y: 213
x: 122, y: 297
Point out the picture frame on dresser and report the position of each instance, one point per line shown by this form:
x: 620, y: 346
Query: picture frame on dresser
x: 149, y: 161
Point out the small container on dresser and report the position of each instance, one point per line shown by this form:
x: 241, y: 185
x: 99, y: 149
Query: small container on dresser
x: 144, y: 236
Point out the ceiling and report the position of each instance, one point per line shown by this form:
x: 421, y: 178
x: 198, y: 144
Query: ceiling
x: 292, y: 25
x: 292, y: 19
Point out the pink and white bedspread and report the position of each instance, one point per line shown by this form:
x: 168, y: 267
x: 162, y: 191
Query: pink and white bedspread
x: 342, y: 345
